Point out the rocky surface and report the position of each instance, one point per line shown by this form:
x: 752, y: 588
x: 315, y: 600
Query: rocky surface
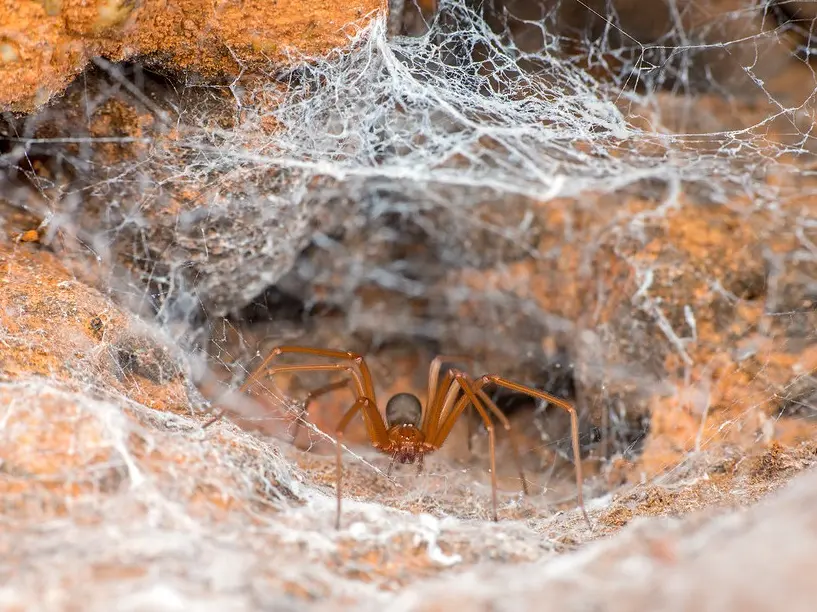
x: 679, y: 317
x: 114, y: 495
x: 45, y: 44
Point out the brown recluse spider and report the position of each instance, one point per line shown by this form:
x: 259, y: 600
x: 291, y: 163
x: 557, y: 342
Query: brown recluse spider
x: 410, y: 430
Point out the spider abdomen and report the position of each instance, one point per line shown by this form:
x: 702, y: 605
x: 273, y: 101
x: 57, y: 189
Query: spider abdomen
x: 404, y: 409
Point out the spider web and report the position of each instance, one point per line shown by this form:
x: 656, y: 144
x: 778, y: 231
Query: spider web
x: 609, y: 201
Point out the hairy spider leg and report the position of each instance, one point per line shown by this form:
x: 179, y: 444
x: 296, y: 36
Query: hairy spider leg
x: 574, y: 426
x: 370, y: 413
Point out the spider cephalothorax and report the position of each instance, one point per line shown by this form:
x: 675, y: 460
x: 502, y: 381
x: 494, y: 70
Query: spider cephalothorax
x: 412, y: 430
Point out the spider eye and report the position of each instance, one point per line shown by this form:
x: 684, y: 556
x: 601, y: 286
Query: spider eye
x: 404, y: 409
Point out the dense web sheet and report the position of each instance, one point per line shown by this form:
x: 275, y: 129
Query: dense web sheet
x: 608, y: 200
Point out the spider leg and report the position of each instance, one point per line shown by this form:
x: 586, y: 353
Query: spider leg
x: 438, y: 436
x: 434, y: 390
x: 369, y: 410
x: 574, y: 426
x: 446, y: 411
x: 291, y: 368
x: 376, y: 428
x: 358, y: 360
x: 311, y: 396
x: 511, y: 432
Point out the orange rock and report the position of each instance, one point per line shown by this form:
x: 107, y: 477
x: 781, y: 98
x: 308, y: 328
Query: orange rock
x: 46, y: 43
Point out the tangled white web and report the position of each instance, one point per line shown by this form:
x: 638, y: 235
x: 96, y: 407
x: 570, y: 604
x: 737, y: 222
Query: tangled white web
x: 509, y: 183
x: 455, y: 137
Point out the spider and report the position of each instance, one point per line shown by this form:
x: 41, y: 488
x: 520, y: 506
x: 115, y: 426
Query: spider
x: 412, y: 430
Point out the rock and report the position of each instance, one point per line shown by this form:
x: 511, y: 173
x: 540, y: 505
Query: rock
x: 113, y: 495
x: 695, y: 563
x: 161, y: 234
x: 202, y: 232
x: 46, y: 43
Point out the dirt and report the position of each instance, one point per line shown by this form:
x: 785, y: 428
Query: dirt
x: 46, y: 43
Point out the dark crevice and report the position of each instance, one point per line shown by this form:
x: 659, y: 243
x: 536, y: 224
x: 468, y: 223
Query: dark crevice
x: 793, y: 19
